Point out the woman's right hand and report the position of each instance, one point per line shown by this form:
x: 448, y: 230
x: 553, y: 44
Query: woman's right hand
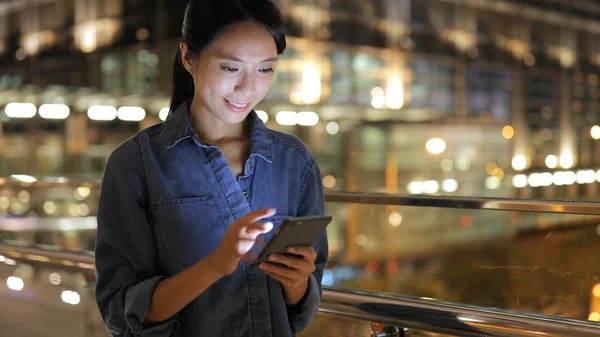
x: 239, y: 239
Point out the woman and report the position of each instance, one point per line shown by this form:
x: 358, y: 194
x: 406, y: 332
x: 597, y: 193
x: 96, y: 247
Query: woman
x: 183, y: 202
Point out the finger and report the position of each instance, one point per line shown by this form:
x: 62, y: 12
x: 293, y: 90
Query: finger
x: 254, y: 230
x: 284, y: 280
x: 306, y: 251
x: 255, y: 216
x: 300, y: 264
x: 289, y: 273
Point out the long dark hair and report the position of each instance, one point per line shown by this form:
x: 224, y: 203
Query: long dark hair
x: 202, y: 23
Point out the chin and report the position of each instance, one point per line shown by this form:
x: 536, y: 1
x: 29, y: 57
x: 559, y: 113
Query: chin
x: 231, y: 117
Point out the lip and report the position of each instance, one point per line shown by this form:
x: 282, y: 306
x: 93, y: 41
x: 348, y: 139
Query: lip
x: 236, y: 108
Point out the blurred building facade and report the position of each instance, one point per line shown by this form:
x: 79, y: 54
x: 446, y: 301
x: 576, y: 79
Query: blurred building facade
x: 456, y: 97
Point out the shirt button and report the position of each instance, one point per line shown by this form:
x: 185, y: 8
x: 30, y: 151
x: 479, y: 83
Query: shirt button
x: 246, y: 193
x: 250, y: 165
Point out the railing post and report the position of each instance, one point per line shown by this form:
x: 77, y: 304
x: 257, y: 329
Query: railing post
x: 382, y: 330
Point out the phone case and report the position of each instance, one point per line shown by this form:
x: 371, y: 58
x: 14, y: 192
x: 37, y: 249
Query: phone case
x: 301, y: 231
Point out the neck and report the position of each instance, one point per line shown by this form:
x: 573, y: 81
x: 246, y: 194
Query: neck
x: 209, y: 128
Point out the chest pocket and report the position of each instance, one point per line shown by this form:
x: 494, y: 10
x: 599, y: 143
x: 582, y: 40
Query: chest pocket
x: 189, y: 228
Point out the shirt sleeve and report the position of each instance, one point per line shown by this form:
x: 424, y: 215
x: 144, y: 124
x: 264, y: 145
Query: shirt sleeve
x: 312, y: 202
x: 125, y: 252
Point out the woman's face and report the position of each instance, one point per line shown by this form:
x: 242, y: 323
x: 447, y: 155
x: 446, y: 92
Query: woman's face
x: 235, y: 72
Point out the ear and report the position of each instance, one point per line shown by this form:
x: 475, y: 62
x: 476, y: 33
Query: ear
x: 186, y: 57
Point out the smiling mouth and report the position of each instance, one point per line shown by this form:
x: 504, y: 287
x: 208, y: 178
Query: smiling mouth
x: 236, y: 104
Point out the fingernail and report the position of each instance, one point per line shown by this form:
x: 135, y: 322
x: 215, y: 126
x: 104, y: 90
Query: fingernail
x: 291, y: 249
x: 272, y: 210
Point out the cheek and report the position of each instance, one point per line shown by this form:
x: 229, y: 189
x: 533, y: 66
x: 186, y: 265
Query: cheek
x: 263, y: 85
x: 218, y: 85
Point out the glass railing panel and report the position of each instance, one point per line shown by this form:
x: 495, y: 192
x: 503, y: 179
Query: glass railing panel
x: 47, y: 301
x: 533, y: 262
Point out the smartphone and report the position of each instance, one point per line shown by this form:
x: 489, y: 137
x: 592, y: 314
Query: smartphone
x: 301, y: 231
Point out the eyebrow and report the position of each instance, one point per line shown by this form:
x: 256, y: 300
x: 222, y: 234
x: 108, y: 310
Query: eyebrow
x: 237, y: 59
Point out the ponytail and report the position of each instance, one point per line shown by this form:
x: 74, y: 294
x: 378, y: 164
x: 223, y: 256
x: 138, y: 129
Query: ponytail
x: 183, y: 84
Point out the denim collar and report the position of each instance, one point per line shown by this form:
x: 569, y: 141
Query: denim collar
x: 178, y: 127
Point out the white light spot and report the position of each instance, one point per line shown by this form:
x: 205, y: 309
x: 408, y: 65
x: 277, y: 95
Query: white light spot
x: 70, y: 297
x: 329, y: 181
x: 20, y: 110
x: 519, y: 162
x: 395, y: 219
x: 163, y: 114
x: 450, y: 185
x: 566, y: 160
x: 262, y: 115
x: 431, y: 186
x: 415, y: 187
x: 24, y: 178
x: 435, y: 145
x: 102, y: 113
x: 54, y: 111
x: 131, y: 113
x: 308, y: 118
x: 332, y: 128
x: 519, y: 181
x: 24, y: 196
x: 286, y: 118
x: 492, y: 183
x: 446, y: 165
x: 551, y: 161
x: 361, y: 239
x: 378, y: 102
x: 15, y: 283
x: 54, y: 279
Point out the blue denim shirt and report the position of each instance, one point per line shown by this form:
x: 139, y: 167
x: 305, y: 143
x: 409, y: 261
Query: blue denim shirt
x: 166, y: 201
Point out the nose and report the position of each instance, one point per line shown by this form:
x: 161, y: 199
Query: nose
x: 245, y: 85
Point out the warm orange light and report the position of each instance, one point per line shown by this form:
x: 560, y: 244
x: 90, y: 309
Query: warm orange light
x: 596, y: 290
x: 498, y: 173
x: 508, y: 132
x: 466, y: 221
x: 594, y: 316
x: 490, y: 168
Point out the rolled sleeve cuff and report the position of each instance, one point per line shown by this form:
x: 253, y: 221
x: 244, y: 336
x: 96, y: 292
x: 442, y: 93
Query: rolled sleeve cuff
x: 137, y: 303
x: 303, y: 312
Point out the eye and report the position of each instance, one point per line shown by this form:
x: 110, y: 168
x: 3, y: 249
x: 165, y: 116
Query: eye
x: 266, y: 70
x: 229, y: 69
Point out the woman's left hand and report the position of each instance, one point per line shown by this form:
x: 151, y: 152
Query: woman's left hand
x: 297, y: 268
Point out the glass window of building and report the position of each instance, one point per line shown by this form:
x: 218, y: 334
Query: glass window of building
x: 341, y: 77
x: 431, y: 87
x: 111, y: 74
x: 141, y: 71
x: 489, y: 93
x: 369, y: 71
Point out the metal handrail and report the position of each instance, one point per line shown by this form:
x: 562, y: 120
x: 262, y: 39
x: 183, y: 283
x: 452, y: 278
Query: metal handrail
x: 401, y: 311
x: 48, y: 256
x: 456, y: 202
x: 447, y: 317
x: 497, y: 204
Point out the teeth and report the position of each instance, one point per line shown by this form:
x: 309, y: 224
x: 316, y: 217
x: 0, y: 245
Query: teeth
x: 237, y: 105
